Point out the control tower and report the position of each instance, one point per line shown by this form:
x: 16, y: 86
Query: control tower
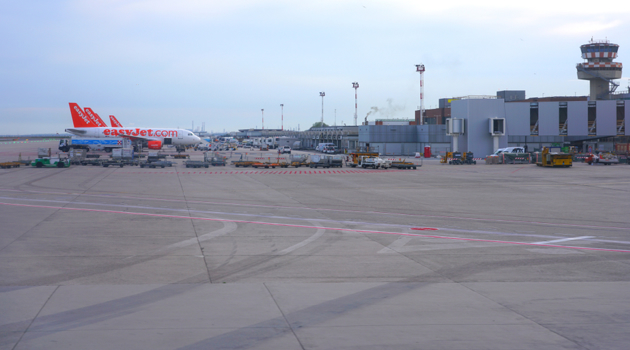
x: 599, y: 68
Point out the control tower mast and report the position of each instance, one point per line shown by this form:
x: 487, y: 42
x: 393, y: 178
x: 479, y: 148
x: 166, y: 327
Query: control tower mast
x: 599, y: 68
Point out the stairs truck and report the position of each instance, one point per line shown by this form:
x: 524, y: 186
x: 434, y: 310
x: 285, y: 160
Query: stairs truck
x: 94, y: 144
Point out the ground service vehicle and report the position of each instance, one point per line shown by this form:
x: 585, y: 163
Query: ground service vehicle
x: 107, y: 163
x: 468, y: 158
x: 509, y: 150
x: 331, y: 149
x: 265, y: 165
x: 88, y: 143
x: 91, y: 161
x: 243, y: 163
x: 285, y: 149
x: 604, y: 159
x: 155, y: 164
x: 320, y: 147
x: 353, y: 161
x: 196, y: 164
x: 50, y: 163
x: 326, y: 162
x: 403, y: 165
x: 298, y: 161
x: 456, y: 158
x: 214, y: 161
x: 7, y: 165
x: 549, y: 159
x: 374, y: 162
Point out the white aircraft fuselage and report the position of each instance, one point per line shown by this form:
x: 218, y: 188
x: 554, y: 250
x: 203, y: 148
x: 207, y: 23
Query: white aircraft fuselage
x: 164, y: 135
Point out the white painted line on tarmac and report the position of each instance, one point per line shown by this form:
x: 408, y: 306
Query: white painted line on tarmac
x: 319, y: 233
x: 564, y: 240
x: 312, y: 227
x: 319, y: 209
x: 369, y: 224
x: 227, y: 228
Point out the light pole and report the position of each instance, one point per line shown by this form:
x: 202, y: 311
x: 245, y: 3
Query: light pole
x: 355, y: 85
x: 263, y: 118
x: 282, y: 117
x: 322, y: 94
x: 420, y: 69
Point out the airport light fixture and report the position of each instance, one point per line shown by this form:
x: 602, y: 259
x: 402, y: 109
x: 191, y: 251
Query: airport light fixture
x: 322, y: 94
x: 262, y: 110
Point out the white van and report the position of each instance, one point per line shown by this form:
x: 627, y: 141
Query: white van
x: 509, y: 150
x: 322, y: 146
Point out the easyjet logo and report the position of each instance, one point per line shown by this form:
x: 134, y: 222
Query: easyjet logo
x: 140, y: 132
x: 93, y: 117
x: 80, y: 112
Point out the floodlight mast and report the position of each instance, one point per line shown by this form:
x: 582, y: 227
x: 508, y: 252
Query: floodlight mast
x: 282, y: 117
x: 355, y: 85
x: 420, y: 69
x: 322, y: 94
x: 263, y: 118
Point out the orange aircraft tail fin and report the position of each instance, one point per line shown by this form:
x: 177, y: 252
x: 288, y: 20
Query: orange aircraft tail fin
x: 114, y: 122
x: 94, y: 117
x: 79, y: 118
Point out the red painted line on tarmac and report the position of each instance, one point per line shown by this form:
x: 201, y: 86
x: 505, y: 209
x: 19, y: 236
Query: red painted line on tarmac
x: 517, y: 170
x: 316, y: 227
x: 327, y: 209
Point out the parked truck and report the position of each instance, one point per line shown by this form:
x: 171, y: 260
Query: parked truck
x: 93, y: 144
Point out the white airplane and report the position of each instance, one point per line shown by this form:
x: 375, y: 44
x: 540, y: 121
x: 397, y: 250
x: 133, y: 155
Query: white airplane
x: 154, y: 137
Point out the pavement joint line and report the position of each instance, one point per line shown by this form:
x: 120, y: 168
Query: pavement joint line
x: 319, y: 227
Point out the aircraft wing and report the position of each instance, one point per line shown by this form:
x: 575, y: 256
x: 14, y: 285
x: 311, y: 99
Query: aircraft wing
x: 76, y: 131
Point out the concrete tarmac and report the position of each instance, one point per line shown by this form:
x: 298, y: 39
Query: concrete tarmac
x: 442, y: 257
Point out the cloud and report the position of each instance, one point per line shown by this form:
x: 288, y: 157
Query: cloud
x: 586, y: 27
x: 183, y: 9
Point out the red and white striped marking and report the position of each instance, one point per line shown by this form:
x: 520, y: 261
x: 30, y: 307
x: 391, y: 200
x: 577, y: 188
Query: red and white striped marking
x: 602, y: 65
x: 267, y: 172
x: 465, y: 159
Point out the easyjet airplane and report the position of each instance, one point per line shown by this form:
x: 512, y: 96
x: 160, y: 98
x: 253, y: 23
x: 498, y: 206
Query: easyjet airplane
x: 154, y: 137
x: 94, y: 117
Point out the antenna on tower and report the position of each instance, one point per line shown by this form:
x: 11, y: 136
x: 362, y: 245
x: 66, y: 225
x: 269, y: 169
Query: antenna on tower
x: 420, y: 69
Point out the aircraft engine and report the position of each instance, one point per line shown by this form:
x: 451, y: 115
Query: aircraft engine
x: 154, y: 144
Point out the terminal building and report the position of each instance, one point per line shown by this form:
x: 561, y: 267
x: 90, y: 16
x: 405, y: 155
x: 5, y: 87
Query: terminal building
x: 483, y: 123
x: 593, y: 122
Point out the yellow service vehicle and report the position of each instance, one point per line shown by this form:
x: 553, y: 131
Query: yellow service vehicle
x: 446, y: 157
x: 354, y: 158
x: 555, y: 159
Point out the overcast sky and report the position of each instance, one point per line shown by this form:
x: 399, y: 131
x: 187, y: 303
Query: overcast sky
x: 166, y: 63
